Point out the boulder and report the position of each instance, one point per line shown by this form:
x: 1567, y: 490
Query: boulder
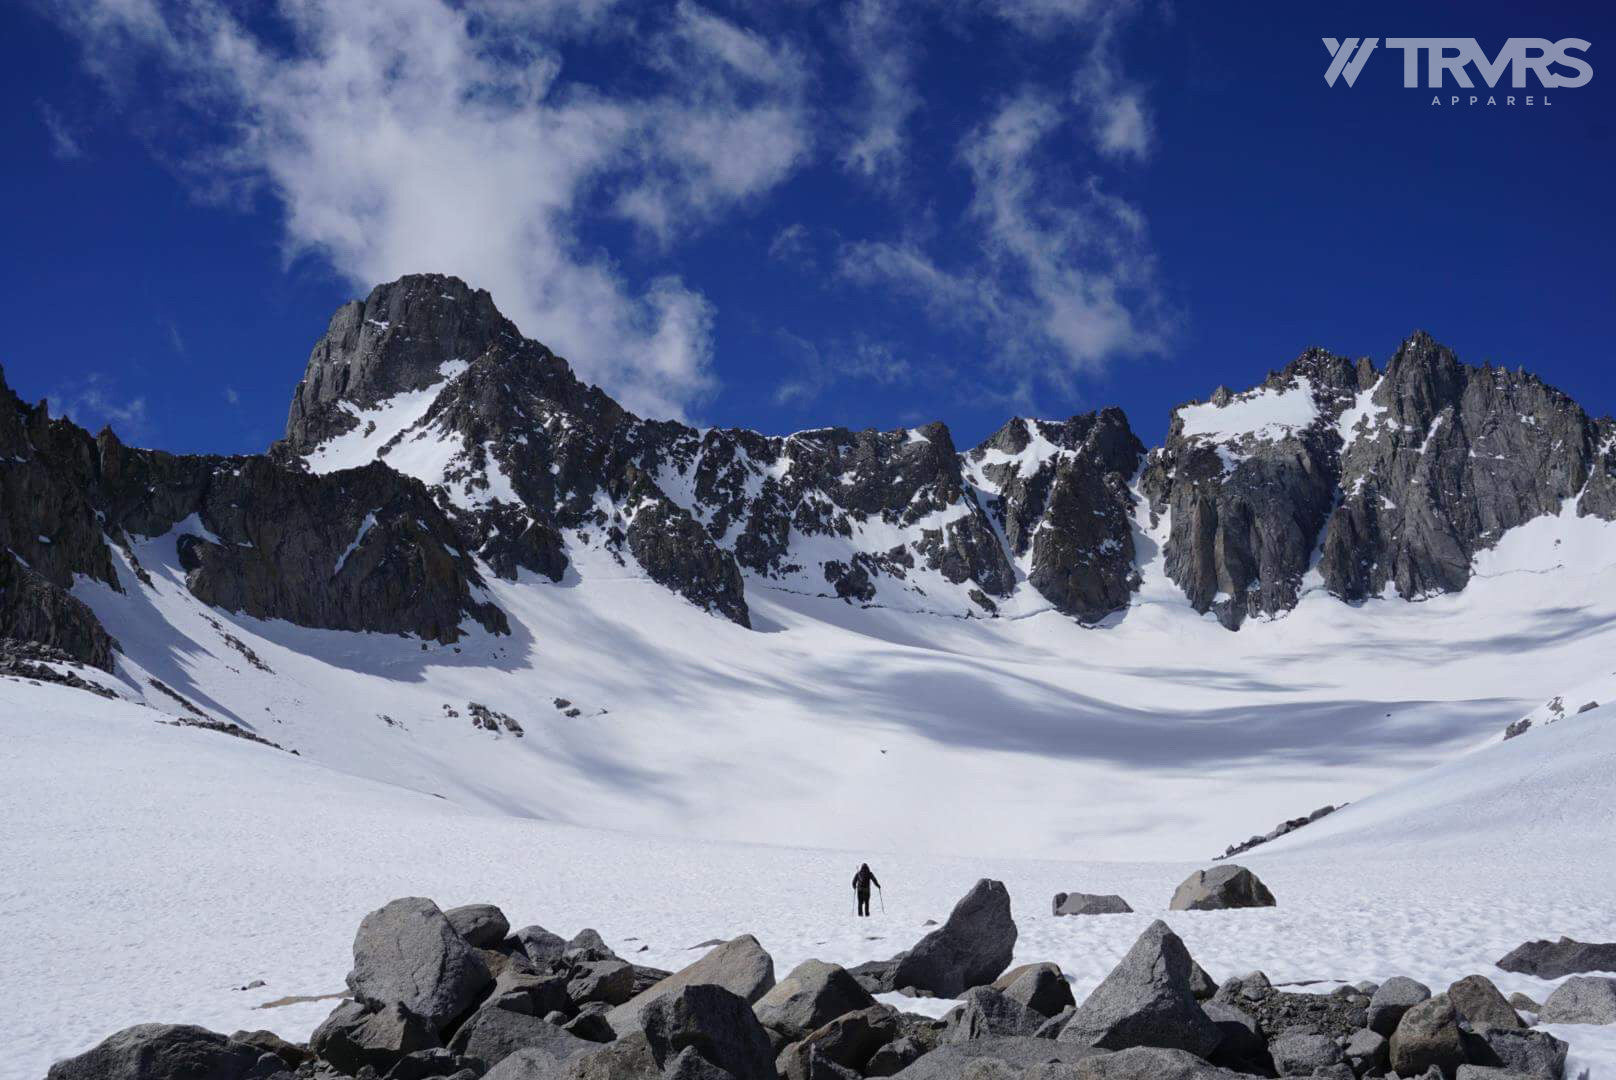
x: 719, y: 1025
x: 482, y: 925
x: 1395, y: 997
x: 1241, y: 1045
x: 1478, y: 1001
x: 1556, y: 959
x: 849, y: 1041
x: 591, y: 1024
x: 971, y: 948
x: 986, y: 1012
x: 536, y: 995
x: 268, y: 1042
x: 1299, y: 1053
x: 1522, y: 1050
x: 1249, y: 987
x: 431, y: 1064
x: 893, y: 1057
x: 165, y: 1052
x: 539, y: 945
x: 956, y: 1061
x: 1490, y: 1072
x: 688, y: 1064
x: 1202, y: 985
x: 739, y: 966
x: 1146, y: 1000
x: 1581, y: 999
x: 589, y: 940
x: 1367, y: 1052
x: 1142, y: 1063
x: 1222, y: 887
x: 1040, y: 987
x: 408, y: 954
x: 494, y: 1034
x: 811, y: 996
x: 1427, y: 1036
x: 537, y: 1063
x: 876, y: 976
x: 1525, y: 1003
x: 356, y: 1035
x: 607, y: 981
x: 628, y: 1058
x: 1090, y: 904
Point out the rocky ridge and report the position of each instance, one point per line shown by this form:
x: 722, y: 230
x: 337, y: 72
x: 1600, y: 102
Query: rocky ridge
x: 429, y: 442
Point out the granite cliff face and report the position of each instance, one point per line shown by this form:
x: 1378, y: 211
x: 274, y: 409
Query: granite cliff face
x: 429, y: 443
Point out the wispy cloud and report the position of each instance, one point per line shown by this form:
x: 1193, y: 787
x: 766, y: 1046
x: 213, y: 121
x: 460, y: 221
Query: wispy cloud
x: 423, y: 135
x: 862, y: 360
x: 95, y: 401
x: 1067, y: 279
x: 231, y: 396
x: 64, y: 144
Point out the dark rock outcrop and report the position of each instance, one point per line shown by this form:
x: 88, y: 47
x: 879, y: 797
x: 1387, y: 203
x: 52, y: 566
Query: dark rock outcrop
x: 1089, y: 904
x: 1555, y: 959
x: 1146, y: 1000
x: 408, y: 954
x: 164, y: 1052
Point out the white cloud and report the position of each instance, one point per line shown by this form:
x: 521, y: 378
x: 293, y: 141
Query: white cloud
x: 878, y: 42
x: 94, y: 402
x: 64, y: 144
x: 1119, y: 118
x: 231, y: 396
x: 1066, y: 284
x: 419, y: 136
x: 817, y: 369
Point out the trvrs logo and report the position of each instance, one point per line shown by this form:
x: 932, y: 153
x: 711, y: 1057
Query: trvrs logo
x: 1455, y: 56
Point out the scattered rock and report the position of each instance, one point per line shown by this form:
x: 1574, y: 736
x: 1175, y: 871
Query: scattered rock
x: 1090, y: 904
x: 986, y: 1012
x: 1220, y: 888
x: 958, y: 1061
x: 739, y: 966
x: 1302, y: 1053
x: 1241, y: 1045
x: 1040, y: 987
x: 608, y: 981
x: 1145, y: 1001
x: 268, y: 1042
x: 1142, y: 1063
x: 1478, y: 1001
x: 719, y: 1025
x: 1427, y: 1036
x: 1525, y: 1003
x: 971, y: 948
x: 1581, y: 999
x: 1395, y: 997
x: 482, y: 925
x: 494, y: 1034
x: 357, y: 1035
x: 539, y: 945
x: 812, y: 995
x: 1535, y: 1053
x: 849, y: 1041
x: 1367, y: 1052
x: 1279, y: 830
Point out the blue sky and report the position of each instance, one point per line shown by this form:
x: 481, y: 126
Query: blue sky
x: 784, y: 215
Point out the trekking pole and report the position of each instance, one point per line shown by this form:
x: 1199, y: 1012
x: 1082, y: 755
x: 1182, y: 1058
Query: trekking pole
x: 882, y: 894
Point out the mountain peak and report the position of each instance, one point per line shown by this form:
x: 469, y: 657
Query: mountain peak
x: 400, y: 338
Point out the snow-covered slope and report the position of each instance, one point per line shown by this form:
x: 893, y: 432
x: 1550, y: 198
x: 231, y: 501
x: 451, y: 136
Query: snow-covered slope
x: 148, y: 872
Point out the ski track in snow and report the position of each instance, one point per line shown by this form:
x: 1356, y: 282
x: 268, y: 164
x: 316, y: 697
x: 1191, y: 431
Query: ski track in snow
x: 149, y: 870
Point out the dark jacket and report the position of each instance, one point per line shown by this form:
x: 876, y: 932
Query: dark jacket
x: 864, y: 879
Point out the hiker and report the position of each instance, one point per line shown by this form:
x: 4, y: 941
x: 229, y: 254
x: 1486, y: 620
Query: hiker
x: 861, y: 885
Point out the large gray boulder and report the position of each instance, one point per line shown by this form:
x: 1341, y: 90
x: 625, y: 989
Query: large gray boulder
x: 166, y: 1052
x: 1040, y: 987
x: 1367, y: 1052
x: 540, y: 946
x: 1522, y: 1050
x: 1427, y: 1036
x: 409, y: 954
x: 739, y: 966
x: 1581, y: 999
x: 972, y: 947
x: 523, y: 991
x: 482, y: 925
x: 1241, y: 1045
x: 608, y: 981
x: 718, y: 1025
x: 1556, y: 959
x: 356, y: 1035
x: 1019, y: 1056
x: 1478, y: 1001
x: 628, y: 1058
x: 1090, y: 904
x: 1140, y: 1063
x: 985, y: 1013
x: 1395, y: 997
x: 494, y: 1034
x: 1146, y: 1001
x: 1221, y: 887
x: 812, y: 995
x: 1301, y: 1053
x: 848, y: 1041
